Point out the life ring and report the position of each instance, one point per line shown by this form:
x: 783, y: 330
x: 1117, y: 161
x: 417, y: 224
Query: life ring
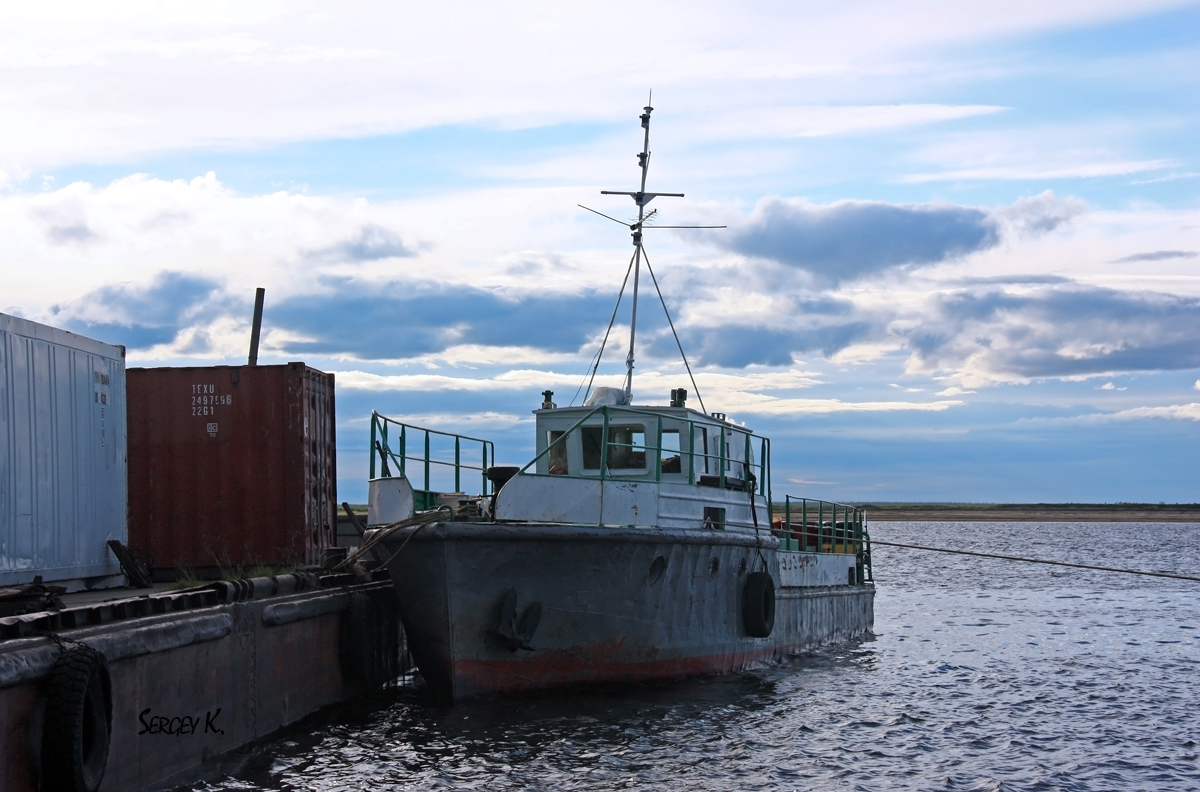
x: 758, y: 605
x: 78, y: 725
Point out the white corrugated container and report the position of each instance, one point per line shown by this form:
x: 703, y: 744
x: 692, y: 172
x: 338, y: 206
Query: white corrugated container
x: 63, y: 485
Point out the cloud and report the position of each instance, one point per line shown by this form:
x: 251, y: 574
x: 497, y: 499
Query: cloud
x: 1167, y: 178
x: 755, y: 404
x: 720, y: 388
x: 1011, y: 280
x: 1108, y: 386
x: 144, y: 315
x: 851, y: 239
x: 1173, y: 412
x: 63, y: 217
x: 65, y: 234
x: 1041, y: 214
x: 805, y: 121
x: 403, y: 319
x: 275, y: 72
x: 1069, y: 331
x: 735, y: 347
x: 1089, y: 170
x: 1158, y: 255
x: 371, y: 243
x: 1169, y: 412
x: 739, y: 346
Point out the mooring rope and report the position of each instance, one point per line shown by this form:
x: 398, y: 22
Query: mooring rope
x: 1038, y: 561
x: 419, y: 520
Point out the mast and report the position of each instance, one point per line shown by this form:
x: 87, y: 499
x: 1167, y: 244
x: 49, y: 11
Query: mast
x: 641, y: 198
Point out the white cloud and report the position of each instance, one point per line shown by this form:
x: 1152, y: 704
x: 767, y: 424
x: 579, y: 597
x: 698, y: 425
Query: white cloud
x: 522, y: 379
x: 1174, y: 412
x: 1167, y: 178
x: 797, y: 480
x: 1041, y: 213
x: 1170, y: 412
x: 66, y: 242
x: 719, y: 390
x: 757, y: 404
x: 104, y: 83
x: 466, y: 422
x: 1086, y: 170
x: 807, y: 121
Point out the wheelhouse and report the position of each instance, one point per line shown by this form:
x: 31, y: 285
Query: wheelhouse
x: 675, y: 445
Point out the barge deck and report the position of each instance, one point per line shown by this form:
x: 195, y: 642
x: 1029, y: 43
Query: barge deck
x: 190, y: 675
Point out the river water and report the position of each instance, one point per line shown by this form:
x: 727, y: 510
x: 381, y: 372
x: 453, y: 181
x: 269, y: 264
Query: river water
x: 981, y: 674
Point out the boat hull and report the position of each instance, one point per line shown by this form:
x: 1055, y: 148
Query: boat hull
x: 616, y: 604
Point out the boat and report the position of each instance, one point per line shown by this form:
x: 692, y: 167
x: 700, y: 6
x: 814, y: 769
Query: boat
x: 642, y: 542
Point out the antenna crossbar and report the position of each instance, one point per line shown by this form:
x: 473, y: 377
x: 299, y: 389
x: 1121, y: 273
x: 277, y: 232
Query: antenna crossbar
x: 642, y: 198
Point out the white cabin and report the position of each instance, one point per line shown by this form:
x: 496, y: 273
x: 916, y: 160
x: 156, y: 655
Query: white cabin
x: 667, y: 467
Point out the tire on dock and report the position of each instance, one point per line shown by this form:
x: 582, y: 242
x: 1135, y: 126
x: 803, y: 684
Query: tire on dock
x: 78, y: 724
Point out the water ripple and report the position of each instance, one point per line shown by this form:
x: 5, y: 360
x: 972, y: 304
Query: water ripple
x: 983, y: 675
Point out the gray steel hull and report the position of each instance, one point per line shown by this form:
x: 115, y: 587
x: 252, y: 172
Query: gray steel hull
x: 610, y: 611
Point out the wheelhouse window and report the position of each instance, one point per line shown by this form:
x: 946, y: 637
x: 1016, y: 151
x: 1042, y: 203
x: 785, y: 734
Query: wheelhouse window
x: 626, y: 447
x: 558, y: 453
x: 672, y: 458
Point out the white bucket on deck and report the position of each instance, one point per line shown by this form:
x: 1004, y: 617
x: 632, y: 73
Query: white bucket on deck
x: 389, y: 500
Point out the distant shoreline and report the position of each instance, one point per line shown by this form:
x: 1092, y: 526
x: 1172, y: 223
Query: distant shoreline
x: 1033, y: 512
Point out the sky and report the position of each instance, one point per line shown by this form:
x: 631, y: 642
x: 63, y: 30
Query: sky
x: 961, y: 259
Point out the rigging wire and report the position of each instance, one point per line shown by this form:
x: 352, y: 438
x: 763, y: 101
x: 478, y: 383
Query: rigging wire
x: 611, y: 320
x: 1039, y: 561
x: 593, y: 211
x: 672, y: 324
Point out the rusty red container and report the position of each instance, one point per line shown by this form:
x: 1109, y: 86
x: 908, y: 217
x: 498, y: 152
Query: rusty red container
x: 231, y: 467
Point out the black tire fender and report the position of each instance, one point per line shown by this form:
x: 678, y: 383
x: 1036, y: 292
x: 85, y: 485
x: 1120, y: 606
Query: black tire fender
x: 370, y: 647
x: 758, y: 605
x: 77, y: 730
x: 360, y: 639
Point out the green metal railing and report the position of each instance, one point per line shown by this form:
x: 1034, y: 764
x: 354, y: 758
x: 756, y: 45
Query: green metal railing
x: 819, y: 526
x: 382, y: 435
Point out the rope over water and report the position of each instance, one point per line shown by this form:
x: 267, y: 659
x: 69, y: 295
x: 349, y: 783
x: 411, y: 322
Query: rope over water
x: 1039, y: 561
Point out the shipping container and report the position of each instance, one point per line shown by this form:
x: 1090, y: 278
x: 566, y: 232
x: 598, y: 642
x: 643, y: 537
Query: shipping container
x: 231, y: 467
x: 62, y: 455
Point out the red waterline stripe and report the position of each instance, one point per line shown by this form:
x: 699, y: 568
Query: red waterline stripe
x: 560, y: 668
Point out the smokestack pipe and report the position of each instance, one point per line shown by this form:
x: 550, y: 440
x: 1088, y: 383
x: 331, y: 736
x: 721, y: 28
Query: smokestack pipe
x: 259, y: 295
